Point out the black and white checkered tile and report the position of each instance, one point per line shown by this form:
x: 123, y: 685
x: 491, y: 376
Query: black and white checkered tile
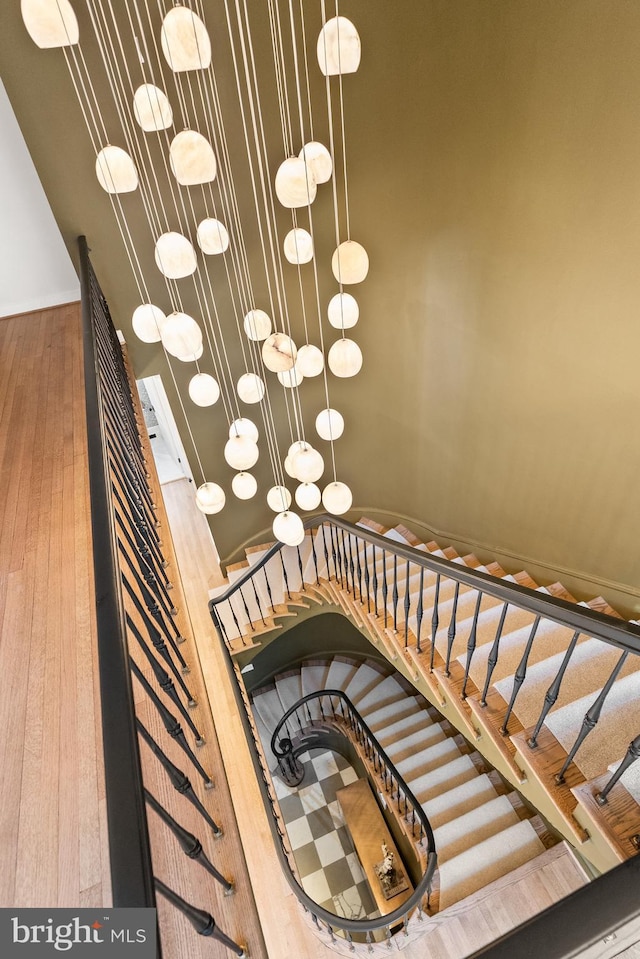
x: 329, y: 868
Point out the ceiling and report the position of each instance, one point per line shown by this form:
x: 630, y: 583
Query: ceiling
x: 494, y: 177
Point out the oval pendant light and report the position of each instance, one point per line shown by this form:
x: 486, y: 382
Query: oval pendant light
x: 192, y: 158
x: 345, y: 358
x: 250, y: 388
x: 316, y: 156
x: 147, y: 322
x: 181, y: 335
x: 337, y: 498
x: 279, y: 352
x: 329, y: 424
x: 343, y: 311
x: 310, y: 360
x: 298, y: 246
x: 151, y: 108
x: 50, y: 23
x: 244, y: 485
x: 212, y: 236
x: 116, y: 171
x: 240, y: 452
x: 279, y: 499
x: 350, y: 262
x: 338, y: 47
x: 210, y: 498
x: 308, y: 496
x: 288, y: 528
x: 204, y: 389
x: 175, y: 256
x: 244, y: 427
x: 257, y: 325
x: 290, y: 378
x: 295, y: 184
x: 185, y: 41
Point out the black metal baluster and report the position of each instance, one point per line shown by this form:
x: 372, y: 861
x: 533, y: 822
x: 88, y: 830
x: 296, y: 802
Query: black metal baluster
x: 170, y: 722
x: 352, y: 567
x: 471, y: 645
x: 203, y: 922
x: 190, y: 844
x: 375, y: 580
x: 434, y: 623
x: 451, y: 632
x: 326, y: 551
x: 300, y: 568
x: 358, y: 566
x: 158, y: 642
x: 246, y: 609
x: 520, y: 675
x: 367, y: 577
x: 268, y: 585
x: 164, y: 681
x: 334, y: 555
x: 235, y: 619
x: 553, y: 691
x: 407, y: 606
x: 315, y: 558
x: 632, y: 754
x: 385, y: 589
x: 394, y: 593
x: 284, y: 575
x: 420, y: 610
x: 592, y: 716
x: 493, y: 655
x: 179, y: 780
x: 257, y: 599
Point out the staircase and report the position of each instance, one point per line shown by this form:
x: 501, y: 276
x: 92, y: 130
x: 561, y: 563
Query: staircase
x: 545, y: 687
x: 482, y: 831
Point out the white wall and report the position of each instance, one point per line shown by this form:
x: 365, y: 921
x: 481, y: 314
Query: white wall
x: 35, y: 268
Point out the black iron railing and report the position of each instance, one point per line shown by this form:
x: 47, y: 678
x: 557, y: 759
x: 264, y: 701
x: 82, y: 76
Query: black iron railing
x: 334, y: 706
x: 135, y: 617
x: 432, y: 605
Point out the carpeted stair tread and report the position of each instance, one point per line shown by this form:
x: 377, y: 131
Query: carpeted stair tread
x: 313, y: 677
x: 406, y: 711
x: 589, y: 667
x: 365, y: 679
x: 629, y: 779
x: 476, y: 825
x: 488, y: 861
x: 426, y: 760
x: 448, y: 775
x: 268, y: 706
x: 386, y: 690
x: 340, y: 674
x: 407, y: 745
x: 619, y: 723
x: 451, y: 803
x: 289, y: 689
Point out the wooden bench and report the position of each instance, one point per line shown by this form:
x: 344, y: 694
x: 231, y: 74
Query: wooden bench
x: 369, y: 831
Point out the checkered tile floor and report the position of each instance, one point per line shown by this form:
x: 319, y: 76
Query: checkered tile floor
x: 328, y: 865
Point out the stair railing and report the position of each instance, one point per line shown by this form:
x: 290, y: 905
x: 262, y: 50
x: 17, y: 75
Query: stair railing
x: 135, y: 613
x: 336, y: 707
x: 393, y: 568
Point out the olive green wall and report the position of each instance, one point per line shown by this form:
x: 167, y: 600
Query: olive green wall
x: 494, y: 161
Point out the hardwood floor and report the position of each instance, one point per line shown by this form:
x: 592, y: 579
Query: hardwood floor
x: 52, y: 806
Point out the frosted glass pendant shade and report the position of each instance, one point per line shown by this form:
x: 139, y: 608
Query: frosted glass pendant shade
x: 290, y: 378
x: 338, y: 47
x: 295, y: 183
x: 244, y: 427
x: 257, y: 325
x: 295, y: 447
x: 50, y: 23
x: 185, y: 41
x: 308, y: 496
x: 298, y: 246
x: 151, y: 108
x: 310, y: 361
x: 213, y: 237
x: 250, y: 388
x: 316, y: 156
x: 181, y: 335
x: 288, y: 528
x: 279, y: 352
x: 329, y: 424
x: 175, y: 256
x: 244, y: 485
x: 240, y: 452
x: 210, y: 498
x: 204, y: 389
x: 308, y: 465
x: 343, y: 311
x: 345, y: 358
x: 116, y: 171
x: 278, y: 499
x: 350, y: 262
x: 147, y: 321
x: 192, y: 158
x: 337, y: 498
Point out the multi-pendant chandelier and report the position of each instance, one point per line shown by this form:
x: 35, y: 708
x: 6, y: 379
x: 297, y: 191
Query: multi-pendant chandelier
x: 169, y: 143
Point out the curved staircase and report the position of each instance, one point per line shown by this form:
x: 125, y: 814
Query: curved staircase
x: 482, y: 831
